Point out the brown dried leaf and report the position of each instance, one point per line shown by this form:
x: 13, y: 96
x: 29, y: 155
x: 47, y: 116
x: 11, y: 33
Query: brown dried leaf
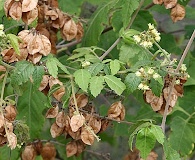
x: 30, y: 16
x: 81, y: 99
x: 44, y: 82
x: 29, y: 153
x: 69, y: 31
x: 12, y: 140
x: 157, y: 1
x: 170, y: 3
x: 48, y: 151
x: 61, y: 119
x: 178, y: 13
x: 154, y: 101
x: 34, y: 45
x: 28, y: 5
x: 45, y: 45
x: 173, y: 98
x: 87, y: 137
x: 52, y: 112
x: 7, y: 6
x: 15, y: 10
x: 71, y: 148
x: 55, y: 130
x: 10, y: 112
x: 76, y: 122
x: 34, y: 58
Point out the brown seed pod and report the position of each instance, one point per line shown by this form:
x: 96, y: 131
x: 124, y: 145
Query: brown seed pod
x: 38, y: 147
x: 26, y: 36
x: 80, y: 31
x: 44, y: 82
x: 71, y: 148
x: 76, y: 122
x: 9, y: 126
x: 34, y: 58
x: 48, y: 151
x: 34, y: 45
x: 61, y: 119
x: 23, y: 53
x: 81, y: 99
x: 178, y: 13
x: 173, y: 98
x: 30, y: 16
x: 51, y: 14
x: 9, y: 55
x: 157, y: 1
x: 86, y: 136
x: 52, y: 112
x: 95, y: 124
x: 29, y: 153
x: 7, y: 6
x: 104, y: 125
x: 12, y: 140
x: 170, y: 3
x: 10, y: 112
x: 55, y: 130
x: 15, y: 10
x: 28, y: 5
x: 3, y: 140
x: 45, y: 45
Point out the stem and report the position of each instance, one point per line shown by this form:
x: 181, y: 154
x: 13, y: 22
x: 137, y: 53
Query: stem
x: 68, y: 44
x: 6, y: 65
x: 73, y: 94
x: 119, y: 39
x: 174, y: 78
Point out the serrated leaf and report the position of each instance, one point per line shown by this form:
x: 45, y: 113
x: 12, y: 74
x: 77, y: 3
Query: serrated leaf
x: 107, y: 69
x: 132, y: 81
x: 95, y: 68
x: 96, y: 85
x: 145, y: 141
x: 134, y: 129
x: 37, y: 76
x: 22, y: 72
x: 14, y: 42
x: 30, y: 106
x: 128, y: 7
x: 114, y: 66
x: 80, y: 52
x: 96, y: 24
x: 156, y: 87
x: 61, y: 66
x: 127, y: 52
x: 115, y: 84
x: 170, y: 153
x: 182, y: 136
x: 52, y: 66
x: 158, y: 133
x: 82, y: 78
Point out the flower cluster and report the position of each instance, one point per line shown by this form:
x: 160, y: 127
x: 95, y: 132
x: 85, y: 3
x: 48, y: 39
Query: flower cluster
x: 147, y: 38
x: 146, y: 74
x: 2, y: 33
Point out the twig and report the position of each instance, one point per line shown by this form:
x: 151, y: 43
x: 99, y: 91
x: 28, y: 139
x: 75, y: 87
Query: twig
x: 119, y: 39
x: 174, y: 78
x: 149, y: 6
x: 17, y: 25
x: 103, y: 155
x: 68, y: 44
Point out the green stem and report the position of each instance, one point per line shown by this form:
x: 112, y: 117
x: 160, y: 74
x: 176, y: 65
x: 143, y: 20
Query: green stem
x: 9, y: 67
x: 73, y: 94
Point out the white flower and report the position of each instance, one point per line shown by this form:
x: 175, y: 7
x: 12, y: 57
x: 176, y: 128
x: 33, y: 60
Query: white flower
x: 2, y: 33
x: 150, y: 71
x: 85, y: 63
x: 177, y: 81
x: 138, y: 73
x: 137, y: 38
x: 183, y: 67
x: 150, y: 44
x: 141, y: 69
x: 151, y: 26
x: 144, y: 87
x: 156, y: 76
x: 188, y: 76
x: 157, y: 38
x: 1, y: 27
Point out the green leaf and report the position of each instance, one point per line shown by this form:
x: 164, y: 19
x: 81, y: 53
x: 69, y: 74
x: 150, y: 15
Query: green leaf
x: 82, y: 78
x: 156, y: 87
x: 182, y: 136
x: 61, y: 66
x: 95, y: 68
x: 114, y: 66
x: 115, y: 84
x: 127, y: 52
x: 22, y: 72
x: 96, y: 85
x: 52, y: 66
x: 80, y: 52
x: 14, y: 42
x: 158, y: 133
x: 134, y: 129
x: 96, y: 24
x: 30, y: 106
x: 132, y: 81
x: 170, y: 153
x: 145, y: 141
x: 37, y: 76
x: 7, y: 153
